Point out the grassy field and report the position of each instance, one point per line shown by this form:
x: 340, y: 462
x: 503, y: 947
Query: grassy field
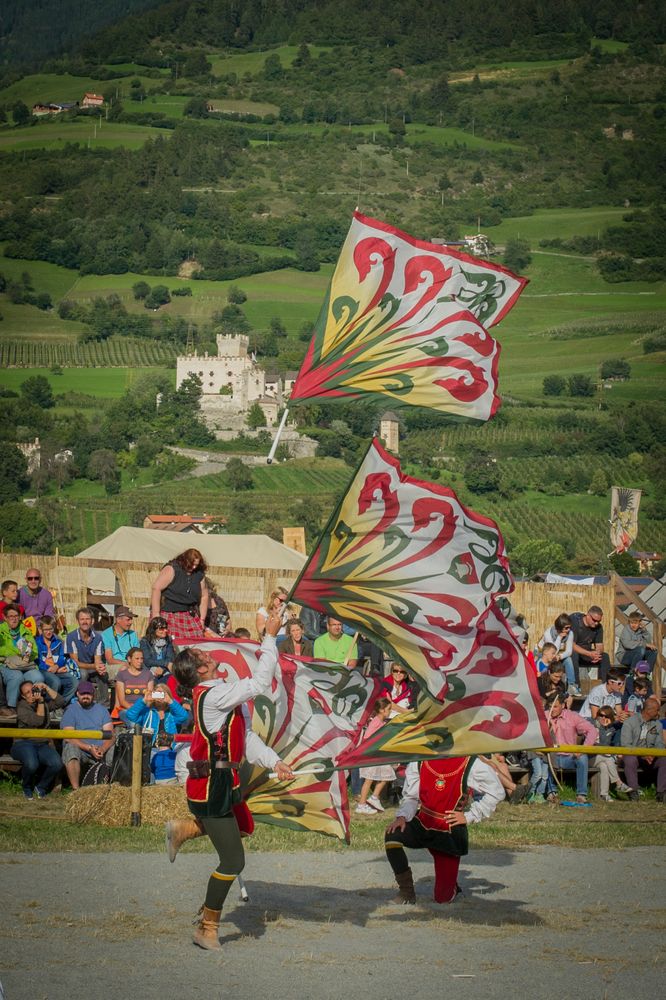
x: 244, y: 107
x: 103, y: 383
x: 55, y: 133
x: 47, y: 87
x: 253, y: 62
x: 550, y: 223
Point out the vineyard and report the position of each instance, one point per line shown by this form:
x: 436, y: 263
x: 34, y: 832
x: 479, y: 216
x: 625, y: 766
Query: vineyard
x: 119, y: 352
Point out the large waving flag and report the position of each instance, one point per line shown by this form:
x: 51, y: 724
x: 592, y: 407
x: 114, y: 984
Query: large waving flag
x: 417, y: 571
x: 405, y: 319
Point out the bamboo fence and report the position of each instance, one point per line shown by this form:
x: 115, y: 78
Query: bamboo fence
x: 541, y: 603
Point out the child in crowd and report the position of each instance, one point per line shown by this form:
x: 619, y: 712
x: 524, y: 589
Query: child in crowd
x: 539, y: 777
x: 58, y: 671
x: 605, y: 723
x: 636, y: 700
x: 383, y: 773
x: 641, y: 672
x: 548, y: 656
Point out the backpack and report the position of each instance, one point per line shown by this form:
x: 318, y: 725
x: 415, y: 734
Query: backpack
x: 121, y: 768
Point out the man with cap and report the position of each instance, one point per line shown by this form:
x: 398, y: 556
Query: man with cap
x: 85, y: 713
x: 118, y: 639
x: 635, y: 643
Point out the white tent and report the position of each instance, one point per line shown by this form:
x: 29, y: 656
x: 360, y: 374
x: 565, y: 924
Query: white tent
x: 235, y: 551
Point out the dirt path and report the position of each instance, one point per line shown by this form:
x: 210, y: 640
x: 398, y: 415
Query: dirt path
x: 540, y: 923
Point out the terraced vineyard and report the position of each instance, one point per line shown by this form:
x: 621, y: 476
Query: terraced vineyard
x: 120, y: 352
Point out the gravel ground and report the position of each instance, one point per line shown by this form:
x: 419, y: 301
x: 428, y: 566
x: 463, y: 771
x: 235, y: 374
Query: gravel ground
x: 543, y: 922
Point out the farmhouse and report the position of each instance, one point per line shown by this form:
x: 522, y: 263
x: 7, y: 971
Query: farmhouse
x: 92, y: 101
x: 41, y: 109
x: 196, y: 524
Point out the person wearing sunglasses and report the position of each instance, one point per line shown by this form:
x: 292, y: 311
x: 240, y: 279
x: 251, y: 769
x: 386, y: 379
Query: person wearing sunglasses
x: 36, y: 599
x: 399, y: 690
x: 588, y: 643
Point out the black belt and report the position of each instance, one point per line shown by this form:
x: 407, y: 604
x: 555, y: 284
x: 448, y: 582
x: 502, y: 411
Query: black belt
x: 226, y: 765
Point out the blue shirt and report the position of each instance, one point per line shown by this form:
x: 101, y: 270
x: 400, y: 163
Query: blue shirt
x: 57, y: 652
x: 119, y: 645
x: 95, y: 717
x: 84, y: 651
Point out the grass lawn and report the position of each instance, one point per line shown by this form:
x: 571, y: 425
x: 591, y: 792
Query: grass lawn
x: 253, y: 62
x: 104, y: 383
x: 54, y: 134
x: 550, y: 223
x: 26, y: 322
x: 46, y: 87
x: 244, y: 107
x: 170, y: 105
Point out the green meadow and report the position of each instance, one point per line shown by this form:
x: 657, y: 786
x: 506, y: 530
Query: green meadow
x: 52, y: 87
x: 253, y: 62
x: 54, y: 133
x: 102, y: 383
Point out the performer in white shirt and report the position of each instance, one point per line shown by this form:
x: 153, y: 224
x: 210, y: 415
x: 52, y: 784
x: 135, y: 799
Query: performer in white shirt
x: 436, y: 807
x: 222, y: 737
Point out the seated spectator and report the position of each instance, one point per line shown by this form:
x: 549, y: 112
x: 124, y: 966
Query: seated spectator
x: 548, y: 657
x: 644, y: 730
x: 560, y: 634
x: 218, y: 619
x: 132, y: 681
x: 157, y: 648
x: 608, y: 693
x: 118, y: 639
x: 296, y: 644
x: 522, y: 638
x: 368, y: 650
x: 567, y: 726
x: 32, y: 712
x: 335, y: 646
x: 606, y: 763
x: 85, y: 648
x: 36, y: 600
x: 539, y: 778
x: 277, y: 601
x: 82, y: 714
x: 635, y: 643
x: 10, y: 593
x: 552, y: 682
x: 399, y: 690
x: 160, y: 714
x: 633, y: 703
x: 52, y: 661
x: 314, y: 623
x: 18, y: 654
x: 514, y: 793
x: 7, y: 714
x: 242, y: 633
x: 588, y: 644
x: 640, y: 672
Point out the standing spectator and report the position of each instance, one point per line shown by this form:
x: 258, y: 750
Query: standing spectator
x: 635, y: 643
x: 84, y: 713
x: 33, y: 713
x: 18, y: 654
x: 645, y: 730
x: 132, y: 681
x: 10, y: 593
x: 180, y: 594
x: 567, y: 726
x: 36, y: 599
x: 85, y: 648
x: 606, y: 763
x: 118, y: 639
x: 560, y: 634
x: 157, y: 648
x: 277, y: 602
x: 380, y: 774
x: 335, y: 646
x: 588, y: 643
x: 52, y: 660
x: 296, y: 644
x: 608, y: 693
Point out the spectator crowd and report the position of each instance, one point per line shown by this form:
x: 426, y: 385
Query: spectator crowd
x: 108, y: 679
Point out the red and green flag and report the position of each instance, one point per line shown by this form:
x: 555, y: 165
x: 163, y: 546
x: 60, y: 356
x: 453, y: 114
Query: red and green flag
x: 406, y: 319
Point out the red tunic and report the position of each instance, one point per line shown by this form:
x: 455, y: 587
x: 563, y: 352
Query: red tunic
x: 442, y: 789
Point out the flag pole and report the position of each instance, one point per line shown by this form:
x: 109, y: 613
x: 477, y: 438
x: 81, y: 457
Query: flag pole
x: 276, y: 439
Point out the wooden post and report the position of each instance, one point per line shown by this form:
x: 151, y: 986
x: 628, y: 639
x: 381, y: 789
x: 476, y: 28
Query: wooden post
x: 137, y: 761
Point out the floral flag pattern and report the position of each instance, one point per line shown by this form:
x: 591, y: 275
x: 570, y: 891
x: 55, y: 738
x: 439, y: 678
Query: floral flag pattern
x: 417, y: 571
x: 407, y: 320
x: 624, y: 517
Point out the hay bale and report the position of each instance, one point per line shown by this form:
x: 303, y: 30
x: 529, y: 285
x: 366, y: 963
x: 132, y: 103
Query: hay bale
x: 110, y: 805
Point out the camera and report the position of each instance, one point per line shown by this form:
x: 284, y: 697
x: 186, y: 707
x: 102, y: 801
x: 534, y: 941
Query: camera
x: 36, y: 689
x: 158, y: 694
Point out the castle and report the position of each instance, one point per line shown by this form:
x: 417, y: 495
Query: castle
x: 232, y: 382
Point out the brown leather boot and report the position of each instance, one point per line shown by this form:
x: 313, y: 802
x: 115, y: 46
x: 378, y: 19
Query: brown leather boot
x: 177, y: 831
x: 208, y: 926
x: 406, y: 894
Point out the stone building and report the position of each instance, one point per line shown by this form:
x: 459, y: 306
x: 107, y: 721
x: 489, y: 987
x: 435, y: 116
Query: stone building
x: 389, y: 431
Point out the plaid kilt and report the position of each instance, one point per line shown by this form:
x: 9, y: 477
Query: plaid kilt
x: 183, y: 627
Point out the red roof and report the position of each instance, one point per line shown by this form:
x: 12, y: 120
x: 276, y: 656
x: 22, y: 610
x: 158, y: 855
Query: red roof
x: 179, y: 519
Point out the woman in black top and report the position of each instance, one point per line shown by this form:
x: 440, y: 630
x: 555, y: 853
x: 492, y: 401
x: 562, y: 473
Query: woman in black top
x: 32, y: 712
x: 180, y: 595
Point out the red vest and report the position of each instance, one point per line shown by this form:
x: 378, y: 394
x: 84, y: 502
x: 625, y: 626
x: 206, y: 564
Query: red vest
x: 442, y: 789
x: 220, y: 792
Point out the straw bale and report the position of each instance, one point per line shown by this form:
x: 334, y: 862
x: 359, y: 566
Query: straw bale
x: 110, y: 805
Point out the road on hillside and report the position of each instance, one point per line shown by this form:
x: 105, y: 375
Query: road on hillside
x: 539, y: 923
